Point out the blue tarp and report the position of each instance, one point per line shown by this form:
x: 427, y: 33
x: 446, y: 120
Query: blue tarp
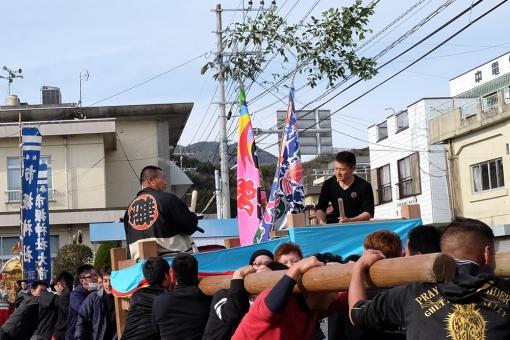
x: 340, y: 240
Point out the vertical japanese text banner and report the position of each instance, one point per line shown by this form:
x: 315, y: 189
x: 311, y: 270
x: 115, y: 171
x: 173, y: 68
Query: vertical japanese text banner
x: 31, y: 139
x: 42, y: 227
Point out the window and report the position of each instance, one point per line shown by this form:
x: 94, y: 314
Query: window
x: 381, y: 184
x: 382, y: 131
x: 13, y: 182
x: 8, y: 242
x: 402, y: 121
x: 409, y: 181
x: 488, y: 175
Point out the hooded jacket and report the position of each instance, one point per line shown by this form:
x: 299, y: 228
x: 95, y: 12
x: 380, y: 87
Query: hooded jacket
x: 474, y: 304
x: 162, y: 217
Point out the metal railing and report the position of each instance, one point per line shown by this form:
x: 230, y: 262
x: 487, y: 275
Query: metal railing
x: 13, y: 196
x: 468, y: 109
x: 490, y: 102
x: 506, y: 94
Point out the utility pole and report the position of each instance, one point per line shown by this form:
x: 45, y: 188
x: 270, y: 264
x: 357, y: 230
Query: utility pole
x: 224, y: 169
x: 225, y: 190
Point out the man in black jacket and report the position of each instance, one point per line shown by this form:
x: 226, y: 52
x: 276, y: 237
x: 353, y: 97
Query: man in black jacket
x: 159, y: 216
x: 183, y: 312
x: 138, y: 325
x: 48, y: 312
x: 64, y: 283
x: 474, y: 305
x: 21, y: 324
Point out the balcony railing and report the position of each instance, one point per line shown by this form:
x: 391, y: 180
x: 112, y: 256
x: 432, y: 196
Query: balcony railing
x: 12, y: 196
x: 506, y: 94
x: 490, y: 102
x: 468, y: 109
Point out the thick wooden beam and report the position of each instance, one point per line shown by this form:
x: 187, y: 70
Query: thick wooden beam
x: 118, y: 255
x: 296, y: 220
x: 147, y: 249
x: 232, y: 242
x: 384, y: 274
x: 410, y: 211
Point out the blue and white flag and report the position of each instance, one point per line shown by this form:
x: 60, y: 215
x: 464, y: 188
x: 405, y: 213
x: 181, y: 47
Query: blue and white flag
x: 42, y: 228
x: 31, y: 139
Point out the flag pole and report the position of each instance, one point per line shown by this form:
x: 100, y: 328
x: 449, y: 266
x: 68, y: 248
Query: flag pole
x: 280, y: 158
x: 22, y: 234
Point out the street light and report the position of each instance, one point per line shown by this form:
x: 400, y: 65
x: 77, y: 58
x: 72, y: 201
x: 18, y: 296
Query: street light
x: 389, y: 108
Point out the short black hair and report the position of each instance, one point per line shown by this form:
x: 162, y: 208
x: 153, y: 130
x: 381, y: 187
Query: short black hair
x: 21, y: 281
x: 185, y: 268
x: 273, y: 265
x: 149, y: 171
x: 346, y: 157
x: 155, y: 269
x: 353, y: 258
x: 83, y: 269
x: 466, y: 236
x: 76, y: 281
x: 38, y: 283
x: 64, y: 277
x: 424, y: 239
x: 105, y: 271
x: 328, y: 257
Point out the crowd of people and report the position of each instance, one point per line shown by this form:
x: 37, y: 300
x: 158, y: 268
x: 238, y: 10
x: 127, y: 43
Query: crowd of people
x: 472, y: 306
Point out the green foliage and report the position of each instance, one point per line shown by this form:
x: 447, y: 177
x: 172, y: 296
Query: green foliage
x: 103, y: 254
x: 70, y: 257
x: 322, y: 48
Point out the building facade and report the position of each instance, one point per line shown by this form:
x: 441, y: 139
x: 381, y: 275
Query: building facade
x: 94, y: 158
x: 477, y: 133
x: 405, y: 169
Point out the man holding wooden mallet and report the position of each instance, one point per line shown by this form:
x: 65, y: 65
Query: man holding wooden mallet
x: 351, y: 196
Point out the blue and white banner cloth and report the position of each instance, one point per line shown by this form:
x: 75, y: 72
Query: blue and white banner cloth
x: 42, y: 228
x: 32, y: 215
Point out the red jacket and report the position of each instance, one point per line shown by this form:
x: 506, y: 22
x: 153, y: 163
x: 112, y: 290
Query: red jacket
x: 296, y: 322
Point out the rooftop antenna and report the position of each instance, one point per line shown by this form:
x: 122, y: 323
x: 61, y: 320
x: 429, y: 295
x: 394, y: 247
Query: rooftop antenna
x: 80, y: 78
x: 11, y: 75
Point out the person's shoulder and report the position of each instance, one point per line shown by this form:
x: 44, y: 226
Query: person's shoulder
x: 360, y: 181
x: 330, y: 181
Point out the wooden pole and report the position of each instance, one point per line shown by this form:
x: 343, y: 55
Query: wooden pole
x: 384, y: 274
x: 118, y: 255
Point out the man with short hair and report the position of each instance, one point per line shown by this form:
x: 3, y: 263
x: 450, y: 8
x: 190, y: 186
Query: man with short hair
x: 356, y: 193
x: 22, y: 324
x: 64, y: 282
x: 96, y: 318
x: 138, y: 325
x: 183, y: 312
x: 88, y: 283
x: 424, y: 239
x: 474, y: 305
x: 48, y: 311
x: 159, y: 216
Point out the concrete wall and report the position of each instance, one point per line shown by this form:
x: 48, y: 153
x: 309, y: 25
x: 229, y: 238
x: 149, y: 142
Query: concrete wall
x: 433, y: 200
x: 481, y: 145
x: 139, y: 139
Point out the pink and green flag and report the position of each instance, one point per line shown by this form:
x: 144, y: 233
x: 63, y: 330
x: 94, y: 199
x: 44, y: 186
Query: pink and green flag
x: 249, y: 209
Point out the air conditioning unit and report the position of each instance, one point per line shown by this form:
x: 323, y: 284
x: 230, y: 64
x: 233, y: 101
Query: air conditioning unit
x: 51, y: 95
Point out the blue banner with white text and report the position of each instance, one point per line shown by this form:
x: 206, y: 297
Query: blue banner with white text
x: 31, y: 139
x: 42, y: 228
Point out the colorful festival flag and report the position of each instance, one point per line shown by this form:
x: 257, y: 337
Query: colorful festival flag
x: 42, y: 228
x: 32, y: 215
x: 249, y: 210
x: 287, y: 193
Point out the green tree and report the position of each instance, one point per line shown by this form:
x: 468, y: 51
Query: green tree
x: 322, y: 48
x: 103, y: 257
x: 70, y: 257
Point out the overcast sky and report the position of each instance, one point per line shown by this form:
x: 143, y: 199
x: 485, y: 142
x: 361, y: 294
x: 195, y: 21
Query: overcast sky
x: 124, y: 43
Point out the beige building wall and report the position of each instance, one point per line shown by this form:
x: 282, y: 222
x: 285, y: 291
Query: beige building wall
x: 139, y: 141
x: 492, y: 207
x: 85, y: 171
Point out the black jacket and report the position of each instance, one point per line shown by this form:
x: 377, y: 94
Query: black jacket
x: 94, y: 318
x: 138, y: 324
x: 22, y: 324
x: 181, y: 313
x: 161, y: 217
x: 228, y: 307
x: 60, y: 329
x: 475, y: 305
x: 48, y: 313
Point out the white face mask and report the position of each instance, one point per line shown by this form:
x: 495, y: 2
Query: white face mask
x: 93, y: 285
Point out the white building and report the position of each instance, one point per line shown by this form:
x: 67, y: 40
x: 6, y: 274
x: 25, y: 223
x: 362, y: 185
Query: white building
x: 405, y: 168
